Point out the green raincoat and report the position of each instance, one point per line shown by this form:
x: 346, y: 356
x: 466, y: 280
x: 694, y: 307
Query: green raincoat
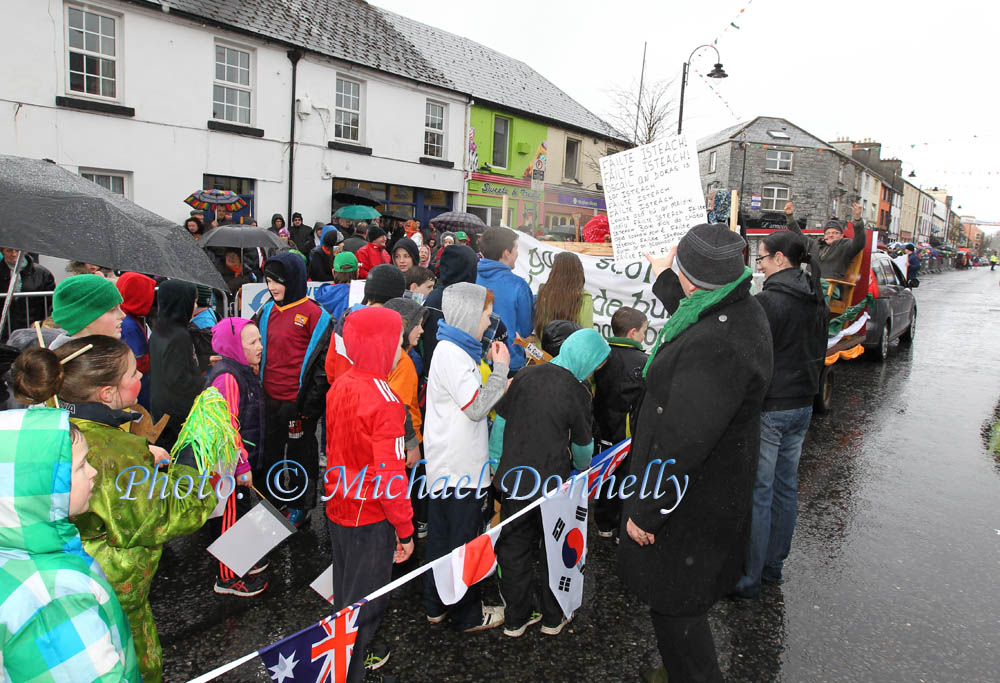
x: 60, y: 620
x: 126, y: 536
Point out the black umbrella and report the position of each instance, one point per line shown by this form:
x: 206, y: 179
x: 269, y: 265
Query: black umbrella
x: 355, y: 195
x: 395, y: 215
x: 241, y: 237
x: 49, y: 210
x: 454, y: 221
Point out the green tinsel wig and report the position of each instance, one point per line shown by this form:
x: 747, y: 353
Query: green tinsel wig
x: 209, y: 432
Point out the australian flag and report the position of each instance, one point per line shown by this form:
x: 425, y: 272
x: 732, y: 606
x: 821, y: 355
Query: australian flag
x: 318, y: 654
x: 606, y: 462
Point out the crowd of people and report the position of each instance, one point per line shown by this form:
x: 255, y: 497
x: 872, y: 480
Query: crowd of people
x: 422, y: 379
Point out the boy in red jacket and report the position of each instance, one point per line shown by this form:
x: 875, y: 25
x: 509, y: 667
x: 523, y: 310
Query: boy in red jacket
x: 369, y: 516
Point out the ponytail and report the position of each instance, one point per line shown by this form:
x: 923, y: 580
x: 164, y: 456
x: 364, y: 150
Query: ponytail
x: 796, y: 250
x: 39, y: 374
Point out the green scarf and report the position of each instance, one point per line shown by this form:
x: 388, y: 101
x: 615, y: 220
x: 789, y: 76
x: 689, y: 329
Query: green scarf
x: 690, y: 310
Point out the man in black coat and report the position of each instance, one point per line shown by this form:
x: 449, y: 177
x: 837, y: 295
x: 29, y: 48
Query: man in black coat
x: 684, y: 541
x: 31, y: 278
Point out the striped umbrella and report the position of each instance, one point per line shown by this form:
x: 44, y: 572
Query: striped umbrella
x: 209, y: 199
x: 454, y: 221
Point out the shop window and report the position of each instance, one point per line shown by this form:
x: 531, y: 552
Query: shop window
x: 492, y: 215
x: 244, y: 187
x: 571, y: 167
x: 92, y: 42
x: 398, y: 193
x: 501, y: 141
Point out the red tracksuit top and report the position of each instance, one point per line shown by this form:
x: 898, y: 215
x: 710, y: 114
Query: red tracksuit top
x: 365, y: 428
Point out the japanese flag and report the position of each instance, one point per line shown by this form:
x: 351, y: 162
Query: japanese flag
x: 464, y: 566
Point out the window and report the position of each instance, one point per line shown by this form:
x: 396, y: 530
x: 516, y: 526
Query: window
x: 231, y: 93
x: 773, y: 197
x: 93, y: 55
x: 347, y: 124
x: 778, y: 160
x: 779, y: 134
x: 244, y: 187
x: 501, y: 141
x: 109, y: 180
x: 492, y: 215
x: 835, y: 206
x: 857, y: 180
x: 711, y: 162
x: 840, y: 173
x: 434, y: 130
x: 572, y: 159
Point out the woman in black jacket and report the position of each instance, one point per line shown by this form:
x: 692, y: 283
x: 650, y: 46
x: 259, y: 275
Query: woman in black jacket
x: 797, y: 315
x: 175, y: 380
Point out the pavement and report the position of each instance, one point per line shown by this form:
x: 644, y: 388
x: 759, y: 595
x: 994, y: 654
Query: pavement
x: 894, y: 573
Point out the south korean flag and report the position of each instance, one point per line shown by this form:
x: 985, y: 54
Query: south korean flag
x: 564, y: 518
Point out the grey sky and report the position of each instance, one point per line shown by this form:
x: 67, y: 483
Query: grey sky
x: 904, y: 73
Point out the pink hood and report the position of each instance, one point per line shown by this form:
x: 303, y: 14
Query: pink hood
x: 226, y: 339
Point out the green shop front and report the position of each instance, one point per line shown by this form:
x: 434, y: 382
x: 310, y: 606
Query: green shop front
x: 488, y: 193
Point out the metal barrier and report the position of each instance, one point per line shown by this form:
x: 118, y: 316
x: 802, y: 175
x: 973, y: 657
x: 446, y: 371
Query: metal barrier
x: 25, y: 309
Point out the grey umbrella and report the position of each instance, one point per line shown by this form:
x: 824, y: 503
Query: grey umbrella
x: 241, y: 237
x: 459, y: 220
x: 49, y: 210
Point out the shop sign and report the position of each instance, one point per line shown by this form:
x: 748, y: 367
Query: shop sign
x: 755, y: 202
x: 501, y: 190
x: 583, y: 202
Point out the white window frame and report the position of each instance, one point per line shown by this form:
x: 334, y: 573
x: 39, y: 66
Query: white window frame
x: 116, y: 17
x: 360, y: 111
x: 506, y: 152
x: 712, y: 158
x: 777, y: 202
x: 840, y: 172
x: 576, y: 169
x: 432, y: 131
x: 247, y: 88
x: 778, y: 160
x: 835, y: 206
x: 126, y: 177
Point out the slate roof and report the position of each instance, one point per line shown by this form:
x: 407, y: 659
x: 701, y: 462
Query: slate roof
x: 351, y: 30
x: 757, y: 133
x: 354, y: 31
x: 495, y: 78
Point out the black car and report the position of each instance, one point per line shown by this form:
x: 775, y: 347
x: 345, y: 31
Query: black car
x: 894, y: 312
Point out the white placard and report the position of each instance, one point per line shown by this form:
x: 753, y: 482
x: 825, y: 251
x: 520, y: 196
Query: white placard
x: 252, y: 537
x: 323, y: 584
x: 654, y: 196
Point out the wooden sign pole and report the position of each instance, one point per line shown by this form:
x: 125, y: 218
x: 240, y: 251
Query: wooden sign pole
x: 734, y: 211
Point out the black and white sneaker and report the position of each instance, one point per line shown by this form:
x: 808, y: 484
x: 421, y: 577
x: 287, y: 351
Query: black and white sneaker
x: 421, y: 529
x: 556, y: 630
x: 492, y: 618
x: 518, y: 631
x: 261, y: 566
x: 241, y: 587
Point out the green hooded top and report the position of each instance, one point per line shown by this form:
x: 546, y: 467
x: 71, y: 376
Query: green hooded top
x: 127, y: 526
x: 59, y: 618
x: 582, y: 353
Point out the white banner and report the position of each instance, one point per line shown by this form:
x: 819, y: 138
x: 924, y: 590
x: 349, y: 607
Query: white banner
x: 612, y: 285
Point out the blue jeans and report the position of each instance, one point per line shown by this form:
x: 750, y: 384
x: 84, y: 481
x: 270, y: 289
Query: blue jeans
x: 775, y: 496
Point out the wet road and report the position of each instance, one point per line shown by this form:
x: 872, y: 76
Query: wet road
x: 894, y: 573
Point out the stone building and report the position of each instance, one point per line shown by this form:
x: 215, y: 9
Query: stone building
x: 780, y: 162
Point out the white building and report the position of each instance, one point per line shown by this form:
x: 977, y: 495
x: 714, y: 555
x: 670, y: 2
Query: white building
x: 158, y: 99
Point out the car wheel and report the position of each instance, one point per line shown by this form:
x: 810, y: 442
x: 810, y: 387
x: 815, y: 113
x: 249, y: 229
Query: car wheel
x: 824, y: 397
x: 907, y: 337
x: 880, y: 351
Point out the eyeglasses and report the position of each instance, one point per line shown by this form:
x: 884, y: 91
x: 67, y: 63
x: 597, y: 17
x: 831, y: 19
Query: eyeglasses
x: 761, y: 258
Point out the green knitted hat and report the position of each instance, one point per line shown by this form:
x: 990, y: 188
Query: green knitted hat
x: 345, y: 262
x: 82, y: 299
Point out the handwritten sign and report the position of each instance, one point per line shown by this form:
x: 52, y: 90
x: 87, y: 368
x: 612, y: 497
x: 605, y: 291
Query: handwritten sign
x: 654, y: 197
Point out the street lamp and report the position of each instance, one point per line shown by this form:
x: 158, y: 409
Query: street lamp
x: 916, y: 210
x: 716, y: 72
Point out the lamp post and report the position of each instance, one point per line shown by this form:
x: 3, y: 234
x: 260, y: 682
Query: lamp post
x: 916, y: 211
x: 716, y: 72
